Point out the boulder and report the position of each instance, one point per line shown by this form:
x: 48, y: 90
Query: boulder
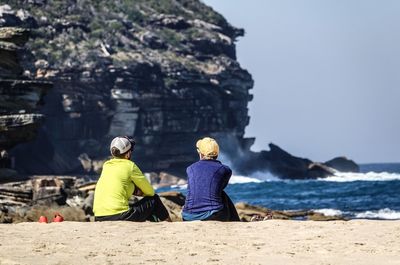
x: 166, y: 180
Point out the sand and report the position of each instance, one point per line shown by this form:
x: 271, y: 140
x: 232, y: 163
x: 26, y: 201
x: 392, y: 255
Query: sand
x: 268, y: 242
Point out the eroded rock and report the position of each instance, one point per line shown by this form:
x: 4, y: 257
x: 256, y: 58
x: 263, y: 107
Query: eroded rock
x: 165, y: 74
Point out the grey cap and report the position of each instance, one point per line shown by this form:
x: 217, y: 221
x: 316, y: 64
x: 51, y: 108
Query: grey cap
x: 121, y: 143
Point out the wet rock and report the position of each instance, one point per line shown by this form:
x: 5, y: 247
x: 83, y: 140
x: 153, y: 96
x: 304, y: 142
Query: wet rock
x: 284, y: 165
x: 343, y: 164
x: 321, y: 217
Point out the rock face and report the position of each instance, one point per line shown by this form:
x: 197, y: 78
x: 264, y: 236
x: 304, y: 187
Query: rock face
x: 162, y: 71
x: 20, y: 96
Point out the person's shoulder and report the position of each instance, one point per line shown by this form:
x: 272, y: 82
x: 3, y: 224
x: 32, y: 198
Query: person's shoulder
x: 124, y: 163
x: 191, y: 166
x: 133, y: 164
x: 226, y: 168
x: 110, y: 162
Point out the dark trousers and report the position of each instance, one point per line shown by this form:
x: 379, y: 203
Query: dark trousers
x: 227, y: 214
x: 150, y: 208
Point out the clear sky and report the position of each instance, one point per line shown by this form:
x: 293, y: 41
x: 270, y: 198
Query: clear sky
x: 327, y: 75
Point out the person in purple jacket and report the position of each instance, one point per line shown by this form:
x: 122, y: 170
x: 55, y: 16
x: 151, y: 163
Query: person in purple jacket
x: 207, y: 178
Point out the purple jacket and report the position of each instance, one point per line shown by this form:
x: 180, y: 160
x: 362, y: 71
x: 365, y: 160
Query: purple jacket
x: 206, y: 181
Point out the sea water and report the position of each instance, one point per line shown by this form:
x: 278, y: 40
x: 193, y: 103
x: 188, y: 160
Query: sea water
x: 373, y: 194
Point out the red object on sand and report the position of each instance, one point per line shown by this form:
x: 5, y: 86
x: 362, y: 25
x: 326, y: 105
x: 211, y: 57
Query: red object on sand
x: 58, y: 218
x: 43, y: 219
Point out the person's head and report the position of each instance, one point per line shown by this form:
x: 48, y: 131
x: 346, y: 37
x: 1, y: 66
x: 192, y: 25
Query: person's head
x: 207, y: 148
x: 122, y: 147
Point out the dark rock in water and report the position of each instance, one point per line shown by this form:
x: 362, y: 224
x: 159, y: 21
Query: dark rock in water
x: 284, y: 165
x: 163, y: 72
x: 343, y: 164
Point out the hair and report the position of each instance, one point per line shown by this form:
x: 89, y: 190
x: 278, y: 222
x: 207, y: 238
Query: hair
x: 116, y: 153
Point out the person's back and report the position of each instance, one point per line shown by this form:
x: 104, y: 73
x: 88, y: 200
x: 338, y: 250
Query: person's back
x: 120, y: 178
x: 206, y: 181
x: 207, y: 178
x: 116, y: 185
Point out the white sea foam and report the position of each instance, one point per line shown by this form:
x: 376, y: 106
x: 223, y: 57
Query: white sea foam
x: 243, y: 179
x: 264, y: 176
x: 384, y: 214
x: 329, y: 212
x: 380, y: 214
x: 370, y: 176
x: 255, y: 177
x: 180, y: 187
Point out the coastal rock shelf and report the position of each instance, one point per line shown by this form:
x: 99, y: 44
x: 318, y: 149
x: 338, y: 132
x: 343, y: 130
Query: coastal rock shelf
x: 162, y: 71
x: 73, y: 198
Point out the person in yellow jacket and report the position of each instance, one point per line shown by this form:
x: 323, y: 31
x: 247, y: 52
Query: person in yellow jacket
x: 119, y: 179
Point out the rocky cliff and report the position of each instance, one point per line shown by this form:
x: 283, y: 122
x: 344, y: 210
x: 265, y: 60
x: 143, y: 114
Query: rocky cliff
x: 20, y: 95
x: 163, y: 71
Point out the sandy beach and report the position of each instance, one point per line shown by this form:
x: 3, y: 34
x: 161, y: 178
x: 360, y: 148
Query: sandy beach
x: 268, y: 242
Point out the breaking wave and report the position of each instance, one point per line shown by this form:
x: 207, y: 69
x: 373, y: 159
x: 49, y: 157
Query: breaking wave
x: 329, y: 212
x: 255, y: 177
x: 370, y: 176
x: 382, y: 214
x: 243, y: 179
x: 385, y: 213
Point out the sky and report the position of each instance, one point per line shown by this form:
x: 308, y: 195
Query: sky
x: 327, y: 75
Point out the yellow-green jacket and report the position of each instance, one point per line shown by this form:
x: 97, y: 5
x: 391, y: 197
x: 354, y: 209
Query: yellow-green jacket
x: 116, y: 185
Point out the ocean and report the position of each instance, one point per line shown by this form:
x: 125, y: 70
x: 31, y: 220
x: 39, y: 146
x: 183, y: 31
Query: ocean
x: 372, y: 194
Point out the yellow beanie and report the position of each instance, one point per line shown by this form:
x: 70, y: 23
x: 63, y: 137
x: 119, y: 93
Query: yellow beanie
x: 208, y: 147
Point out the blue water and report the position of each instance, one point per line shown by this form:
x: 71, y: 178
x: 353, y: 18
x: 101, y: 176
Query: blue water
x: 372, y: 194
